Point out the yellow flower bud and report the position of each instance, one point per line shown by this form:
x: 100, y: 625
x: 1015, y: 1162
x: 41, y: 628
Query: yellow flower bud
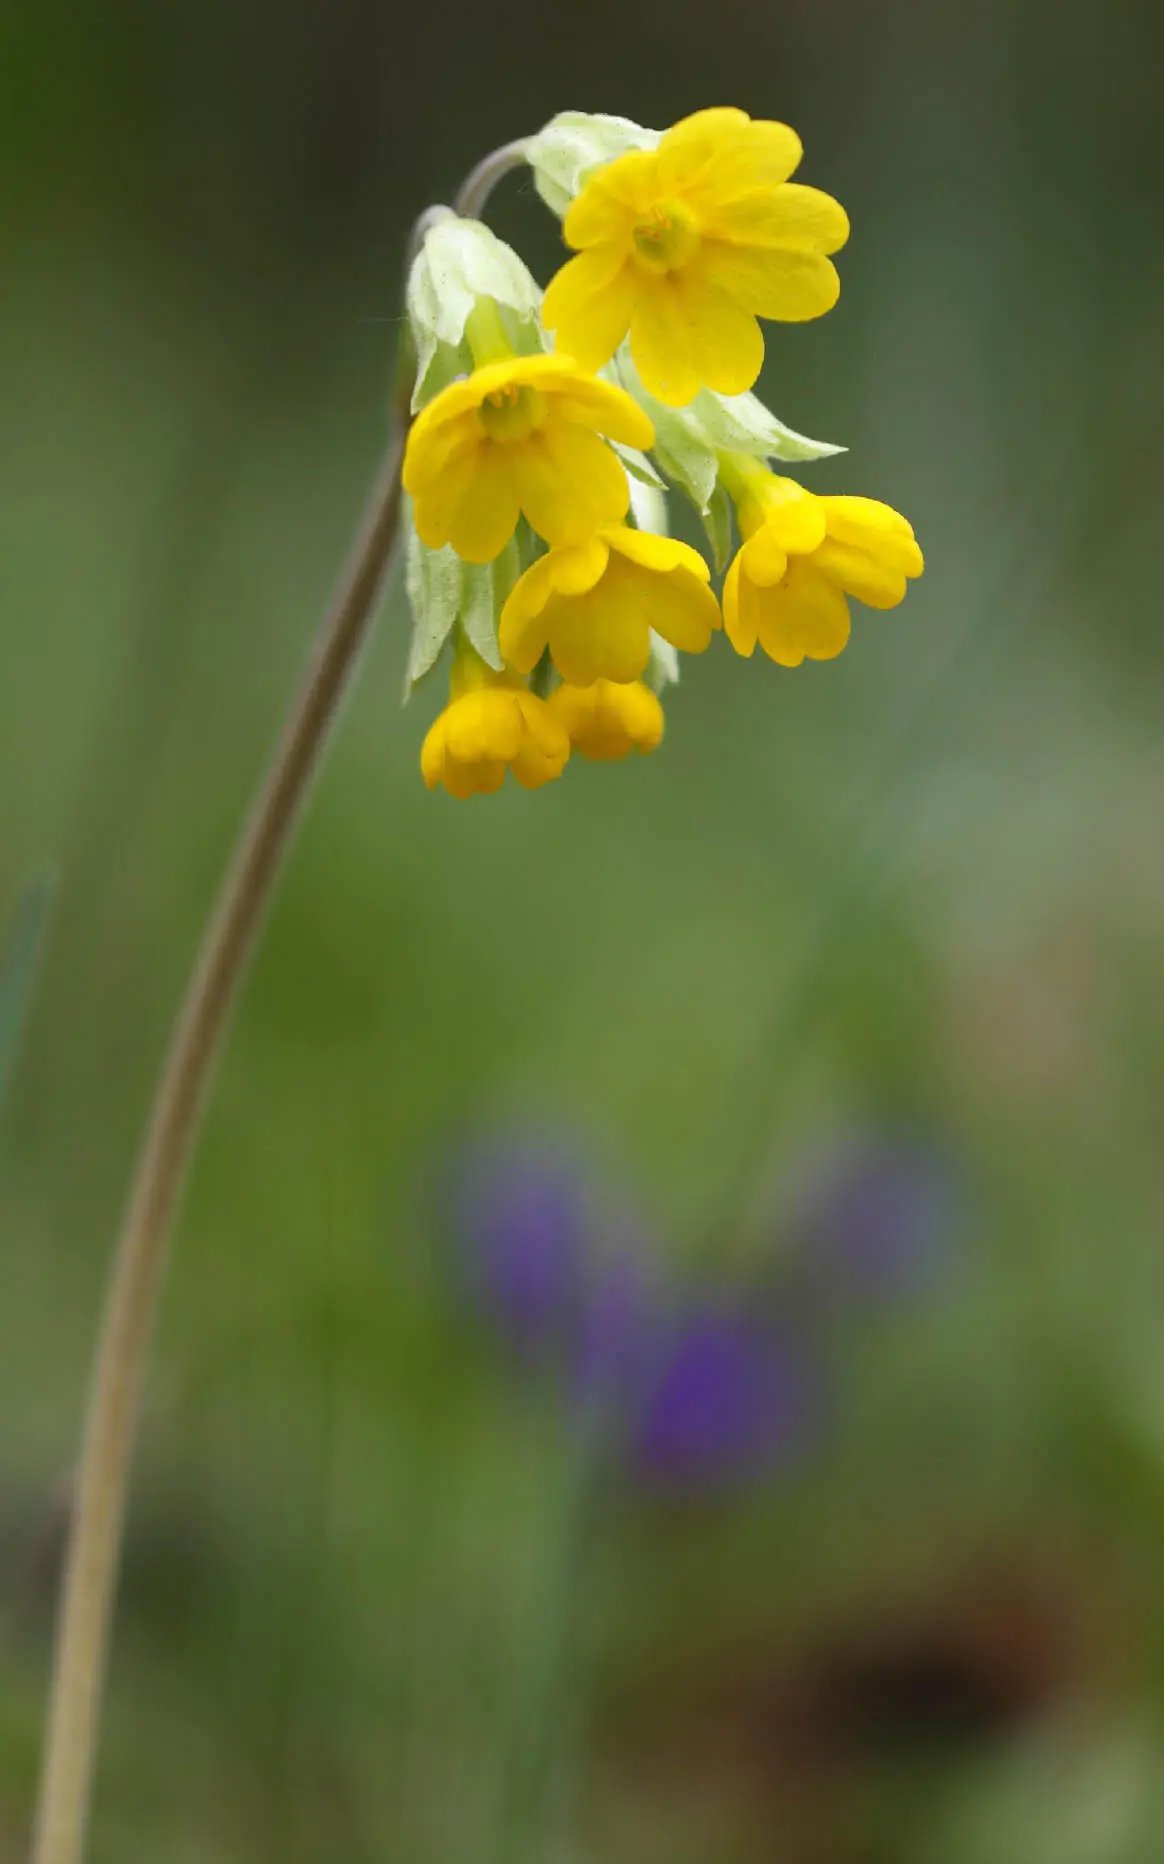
x: 609, y: 719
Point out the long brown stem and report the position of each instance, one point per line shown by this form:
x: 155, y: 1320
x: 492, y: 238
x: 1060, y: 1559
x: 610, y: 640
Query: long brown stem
x: 123, y: 1345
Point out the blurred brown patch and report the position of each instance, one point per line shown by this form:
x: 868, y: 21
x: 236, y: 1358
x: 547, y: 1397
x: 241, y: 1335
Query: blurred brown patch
x: 786, y: 1745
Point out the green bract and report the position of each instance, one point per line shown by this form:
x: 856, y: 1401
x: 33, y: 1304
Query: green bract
x: 663, y: 665
x: 572, y: 145
x: 445, y: 593
x: 460, y: 261
x: 649, y: 506
x: 649, y: 511
x: 688, y: 441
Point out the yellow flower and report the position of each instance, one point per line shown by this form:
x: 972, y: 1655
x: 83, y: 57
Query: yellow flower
x: 686, y: 245
x: 594, y: 605
x: 492, y: 724
x: 802, y: 557
x: 520, y: 434
x: 609, y: 718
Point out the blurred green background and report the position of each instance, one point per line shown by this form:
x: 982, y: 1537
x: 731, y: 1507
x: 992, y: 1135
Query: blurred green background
x: 920, y: 884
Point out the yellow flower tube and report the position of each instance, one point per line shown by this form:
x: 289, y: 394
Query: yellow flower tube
x: 492, y: 724
x: 802, y: 557
x: 521, y: 434
x: 609, y: 719
x: 594, y: 605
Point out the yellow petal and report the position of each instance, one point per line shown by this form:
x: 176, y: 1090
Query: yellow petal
x: 571, y: 569
x: 763, y: 559
x: 487, y: 779
x: 483, y: 726
x: 432, y: 753
x: 597, y: 636
x: 438, y: 499
x: 804, y: 617
x: 702, y: 148
x: 792, y: 215
x: 532, y: 770
x: 678, y: 605
x: 757, y: 158
x: 724, y: 340
x: 789, y: 284
x: 656, y: 553
x: 464, y: 398
x: 569, y: 482
x: 522, y: 638
x: 452, y: 404
x: 659, y: 344
x: 589, y: 303
x: 755, y: 276
x: 871, y: 578
x: 870, y: 525
x: 522, y: 630
x: 795, y: 518
x: 604, y: 407
x: 485, y: 515
x: 607, y: 720
x: 427, y: 454
x: 483, y: 778
x: 739, y: 610
x: 610, y: 201
x: 545, y: 732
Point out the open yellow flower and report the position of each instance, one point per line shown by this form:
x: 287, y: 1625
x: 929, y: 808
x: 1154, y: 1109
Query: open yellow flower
x: 609, y: 719
x: 520, y: 435
x: 686, y: 246
x: 492, y: 724
x: 594, y: 605
x: 803, y: 556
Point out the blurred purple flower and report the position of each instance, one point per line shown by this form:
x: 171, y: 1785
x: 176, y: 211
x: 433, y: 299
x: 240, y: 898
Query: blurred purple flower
x: 730, y: 1397
x: 875, y: 1217
x: 618, y: 1319
x: 523, y: 1229
x: 689, y: 1391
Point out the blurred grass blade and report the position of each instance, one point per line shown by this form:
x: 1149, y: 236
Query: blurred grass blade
x: 20, y: 965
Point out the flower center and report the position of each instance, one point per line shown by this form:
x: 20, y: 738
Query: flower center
x: 512, y: 412
x: 667, y: 239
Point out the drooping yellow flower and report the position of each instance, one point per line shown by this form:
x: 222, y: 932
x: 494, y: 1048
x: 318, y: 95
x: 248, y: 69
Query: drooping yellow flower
x: 492, y: 724
x: 610, y: 718
x: 521, y: 434
x: 802, y: 557
x: 594, y: 605
x: 686, y: 246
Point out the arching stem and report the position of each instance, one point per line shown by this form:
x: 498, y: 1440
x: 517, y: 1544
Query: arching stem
x: 139, y: 1258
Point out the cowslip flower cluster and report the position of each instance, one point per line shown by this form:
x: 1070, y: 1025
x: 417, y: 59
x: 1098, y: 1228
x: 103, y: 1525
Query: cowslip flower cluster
x: 549, y: 428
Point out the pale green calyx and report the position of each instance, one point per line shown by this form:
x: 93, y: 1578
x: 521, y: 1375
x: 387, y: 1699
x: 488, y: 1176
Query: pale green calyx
x: 662, y: 664
x: 444, y: 591
x: 649, y: 506
x: 459, y: 262
x: 689, y: 440
x: 572, y: 145
x: 649, y: 511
